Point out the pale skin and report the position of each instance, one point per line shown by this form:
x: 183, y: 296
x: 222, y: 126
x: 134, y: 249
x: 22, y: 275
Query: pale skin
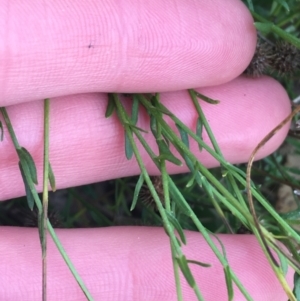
x: 58, y: 49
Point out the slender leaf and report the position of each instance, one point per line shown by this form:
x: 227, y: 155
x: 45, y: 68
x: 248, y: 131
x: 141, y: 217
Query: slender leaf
x: 191, y: 180
x: 184, y: 136
x: 137, y: 128
x: 178, y: 198
x: 263, y: 27
x: 296, y: 289
x: 165, y: 153
x: 283, y: 263
x: 137, y: 189
x: 229, y: 285
x: 128, y: 147
x: 1, y: 131
x: 199, y: 131
x: 284, y: 4
x: 172, y: 219
x: 204, y: 265
x: 51, y: 178
x: 166, y: 139
x: 183, y: 264
x: 163, y: 110
x: 206, y: 99
x: 135, y: 110
x: 110, y: 106
x: 169, y: 157
x: 153, y: 126
x: 250, y: 4
x: 25, y: 156
x: 29, y: 196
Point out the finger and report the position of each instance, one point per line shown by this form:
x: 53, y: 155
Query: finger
x: 129, y: 263
x: 85, y: 147
x: 67, y: 47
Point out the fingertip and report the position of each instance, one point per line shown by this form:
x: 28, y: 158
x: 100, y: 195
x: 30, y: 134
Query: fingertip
x: 138, y: 46
x: 85, y: 147
x: 250, y: 109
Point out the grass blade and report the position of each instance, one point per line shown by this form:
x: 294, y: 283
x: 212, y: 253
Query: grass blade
x: 25, y: 155
x: 177, y: 226
x: 110, y: 106
x: 137, y: 189
x: 29, y: 196
x: 128, y: 148
x: 1, y: 131
x: 52, y: 178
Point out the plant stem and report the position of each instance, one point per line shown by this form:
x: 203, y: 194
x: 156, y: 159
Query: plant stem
x: 39, y: 206
x: 45, y: 195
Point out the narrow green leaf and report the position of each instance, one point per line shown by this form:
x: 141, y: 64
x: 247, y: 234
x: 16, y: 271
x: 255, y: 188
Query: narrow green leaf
x: 163, y: 110
x: 137, y: 189
x: 169, y: 157
x: 182, y: 262
x: 263, y: 27
x: 158, y: 107
x: 25, y: 155
x: 128, y: 147
x: 283, y: 262
x: 229, y: 285
x: 199, y: 131
x: 284, y: 4
x: 29, y: 196
x: 204, y: 265
x: 166, y: 139
x: 224, y: 172
x: 172, y: 219
x: 178, y: 198
x: 110, y: 105
x: 207, y: 187
x: 163, y: 147
x: 51, y: 178
x: 135, y: 110
x: 296, y: 289
x: 250, y: 4
x: 153, y: 126
x: 206, y: 99
x: 201, y: 180
x: 178, y: 241
x: 137, y: 128
x: 165, y: 153
x: 191, y: 180
x: 184, y: 136
x: 2, y: 131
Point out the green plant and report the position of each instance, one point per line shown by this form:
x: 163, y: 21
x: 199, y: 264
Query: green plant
x: 176, y: 207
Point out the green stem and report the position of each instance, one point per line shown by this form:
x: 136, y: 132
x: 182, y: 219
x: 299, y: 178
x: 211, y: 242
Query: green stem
x: 39, y: 206
x: 176, y: 274
x: 280, y: 32
x: 209, y: 241
x: 68, y: 262
x: 215, y: 145
x: 168, y: 227
x: 9, y: 127
x: 45, y: 196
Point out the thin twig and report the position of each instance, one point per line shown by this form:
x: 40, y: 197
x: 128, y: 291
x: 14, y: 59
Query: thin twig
x: 45, y: 196
x: 248, y: 184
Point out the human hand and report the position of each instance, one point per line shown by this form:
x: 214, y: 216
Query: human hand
x: 66, y: 49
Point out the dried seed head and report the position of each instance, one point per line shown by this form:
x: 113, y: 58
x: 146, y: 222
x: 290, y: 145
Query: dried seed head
x: 146, y: 196
x: 260, y: 61
x: 285, y: 58
x: 31, y: 219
